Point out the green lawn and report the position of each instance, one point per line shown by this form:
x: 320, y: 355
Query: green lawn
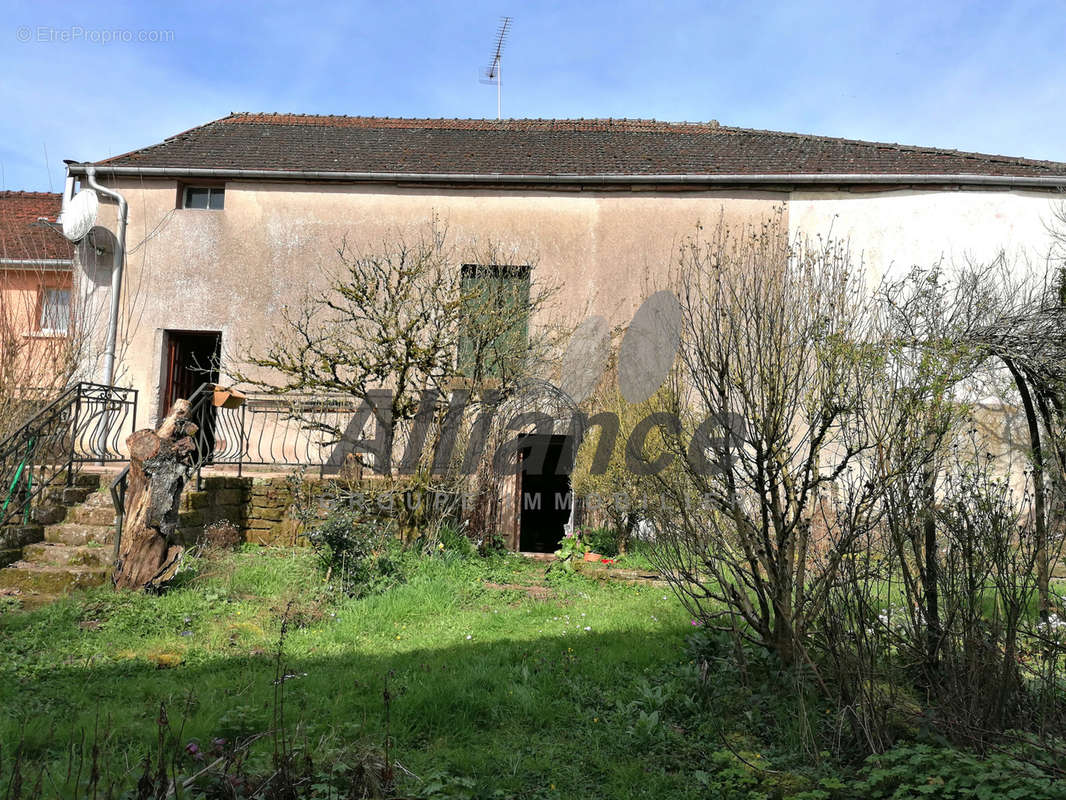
x: 505, y: 683
x: 522, y: 690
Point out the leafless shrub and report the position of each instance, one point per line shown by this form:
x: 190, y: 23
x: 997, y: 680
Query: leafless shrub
x: 221, y: 536
x: 778, y: 336
x: 852, y: 520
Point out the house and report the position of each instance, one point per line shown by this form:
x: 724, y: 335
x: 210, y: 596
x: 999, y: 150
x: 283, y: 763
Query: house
x: 233, y: 220
x: 36, y: 270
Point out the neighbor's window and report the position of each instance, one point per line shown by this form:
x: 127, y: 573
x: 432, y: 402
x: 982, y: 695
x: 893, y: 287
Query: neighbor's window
x: 494, y: 332
x: 55, y: 311
x: 212, y: 198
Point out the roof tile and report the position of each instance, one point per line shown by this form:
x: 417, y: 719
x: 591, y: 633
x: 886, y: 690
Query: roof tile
x: 23, y: 234
x: 546, y: 147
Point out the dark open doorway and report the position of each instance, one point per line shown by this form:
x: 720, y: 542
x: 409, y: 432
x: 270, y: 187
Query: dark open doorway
x: 545, y: 494
x: 192, y: 358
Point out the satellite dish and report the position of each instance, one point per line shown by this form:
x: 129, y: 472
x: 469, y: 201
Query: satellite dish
x: 80, y: 215
x: 95, y: 255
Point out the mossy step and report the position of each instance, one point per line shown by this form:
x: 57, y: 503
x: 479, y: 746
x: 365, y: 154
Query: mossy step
x: 25, y: 600
x: 91, y: 515
x: 62, y: 555
x: 10, y: 555
x: 50, y: 514
x: 67, y: 495
x: 49, y: 578
x: 14, y: 536
x: 90, y: 480
x: 100, y: 499
x: 88, y: 513
x: 77, y: 534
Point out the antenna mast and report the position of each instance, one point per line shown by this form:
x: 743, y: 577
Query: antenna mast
x: 493, y: 72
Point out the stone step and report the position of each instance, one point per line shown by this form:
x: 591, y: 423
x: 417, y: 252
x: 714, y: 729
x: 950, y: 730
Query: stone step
x: 91, y: 515
x: 51, y: 579
x: 100, y: 499
x: 10, y: 555
x: 55, y: 512
x: 77, y: 534
x: 54, y: 495
x: 17, y: 536
x: 76, y: 494
x: 49, y: 514
x: 26, y: 600
x: 90, y: 480
x: 62, y: 555
x: 77, y: 525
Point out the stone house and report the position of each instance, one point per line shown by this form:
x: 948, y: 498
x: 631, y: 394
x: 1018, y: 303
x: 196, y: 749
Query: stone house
x: 230, y: 221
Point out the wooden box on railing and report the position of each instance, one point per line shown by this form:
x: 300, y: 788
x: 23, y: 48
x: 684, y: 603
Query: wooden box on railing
x: 227, y: 398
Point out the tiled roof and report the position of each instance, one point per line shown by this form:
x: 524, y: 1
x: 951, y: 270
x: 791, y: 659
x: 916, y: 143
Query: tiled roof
x: 547, y: 147
x: 23, y: 235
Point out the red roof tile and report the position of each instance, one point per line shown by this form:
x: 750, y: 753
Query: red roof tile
x: 22, y: 233
x: 547, y: 147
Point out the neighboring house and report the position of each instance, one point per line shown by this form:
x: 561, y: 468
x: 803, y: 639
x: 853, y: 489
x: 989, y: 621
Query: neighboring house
x: 36, y: 269
x: 232, y: 220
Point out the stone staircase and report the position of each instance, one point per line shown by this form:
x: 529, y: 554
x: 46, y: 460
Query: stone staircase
x: 77, y: 550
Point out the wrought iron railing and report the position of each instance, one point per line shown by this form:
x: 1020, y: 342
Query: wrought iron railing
x: 260, y: 432
x: 267, y: 431
x: 85, y: 424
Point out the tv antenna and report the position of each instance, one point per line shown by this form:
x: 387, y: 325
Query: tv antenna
x: 492, y: 71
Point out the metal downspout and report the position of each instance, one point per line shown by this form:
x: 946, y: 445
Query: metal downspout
x: 116, y: 273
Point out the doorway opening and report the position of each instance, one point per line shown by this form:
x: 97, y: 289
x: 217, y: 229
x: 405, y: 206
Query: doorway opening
x: 545, y: 495
x: 192, y: 358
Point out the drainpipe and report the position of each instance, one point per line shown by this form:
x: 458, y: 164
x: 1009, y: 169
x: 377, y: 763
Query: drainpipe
x: 68, y: 193
x: 116, y: 273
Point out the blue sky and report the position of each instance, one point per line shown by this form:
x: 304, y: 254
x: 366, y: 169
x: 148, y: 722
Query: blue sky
x: 982, y: 76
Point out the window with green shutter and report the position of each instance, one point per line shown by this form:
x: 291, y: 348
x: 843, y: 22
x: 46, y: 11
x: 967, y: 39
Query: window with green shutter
x: 494, y: 334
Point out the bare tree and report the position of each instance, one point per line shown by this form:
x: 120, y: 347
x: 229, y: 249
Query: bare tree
x: 415, y: 337
x: 777, y: 357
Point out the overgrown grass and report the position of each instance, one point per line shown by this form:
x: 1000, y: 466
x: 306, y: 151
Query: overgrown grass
x: 497, y: 683
x: 505, y: 682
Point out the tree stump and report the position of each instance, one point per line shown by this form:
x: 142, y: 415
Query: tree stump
x: 160, y: 464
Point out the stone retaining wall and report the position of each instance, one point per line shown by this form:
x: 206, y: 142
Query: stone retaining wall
x: 258, y: 507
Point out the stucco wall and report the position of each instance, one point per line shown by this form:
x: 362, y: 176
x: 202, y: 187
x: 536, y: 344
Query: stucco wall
x: 895, y: 230
x: 232, y: 271
x: 40, y: 355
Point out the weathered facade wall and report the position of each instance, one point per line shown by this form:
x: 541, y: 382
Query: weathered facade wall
x: 234, y: 270
x: 892, y: 231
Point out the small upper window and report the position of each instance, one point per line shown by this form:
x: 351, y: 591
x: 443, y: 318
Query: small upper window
x: 212, y: 198
x: 55, y: 311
